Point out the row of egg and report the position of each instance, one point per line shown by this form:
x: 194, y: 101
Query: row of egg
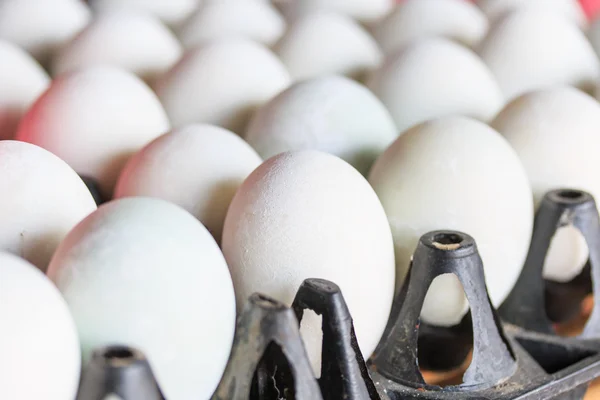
x: 129, y: 271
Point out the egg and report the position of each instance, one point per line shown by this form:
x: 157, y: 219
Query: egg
x: 22, y: 80
x: 332, y: 114
x: 555, y: 133
x: 95, y: 119
x: 324, y: 43
x: 254, y: 19
x: 569, y: 9
x: 42, y: 26
x: 171, y: 12
x: 221, y: 83
x: 444, y: 174
x: 136, y: 42
x: 531, y: 49
x: 43, y: 200
x: 40, y: 349
x: 413, y: 19
x: 367, y: 12
x: 145, y: 273
x: 435, y: 77
x: 198, y: 167
x: 308, y: 214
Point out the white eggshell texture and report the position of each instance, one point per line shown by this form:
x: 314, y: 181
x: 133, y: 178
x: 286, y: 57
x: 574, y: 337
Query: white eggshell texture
x: 22, y: 80
x: 413, y: 19
x: 568, y: 9
x: 198, y: 167
x: 327, y: 43
x: 366, y: 12
x: 40, y: 349
x: 308, y: 214
x: 145, y: 273
x: 254, y: 19
x: 221, y: 83
x: 43, y: 198
x: 137, y: 42
x: 556, y: 133
x: 533, y: 49
x: 171, y: 12
x: 332, y: 114
x: 95, y: 119
x: 444, y: 174
x: 436, y: 77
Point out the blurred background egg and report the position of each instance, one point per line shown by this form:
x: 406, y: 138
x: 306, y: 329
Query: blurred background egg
x: 568, y: 9
x: 332, y: 114
x: 366, y: 12
x: 40, y: 349
x: 435, y: 77
x: 308, y: 214
x: 95, y: 119
x: 145, y: 273
x: 43, y: 198
x: 171, y: 12
x: 198, y: 167
x: 457, y: 173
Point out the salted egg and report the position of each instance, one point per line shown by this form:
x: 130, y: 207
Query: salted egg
x: 413, y: 19
x: 533, y: 49
x: 367, y: 12
x: 435, y: 77
x: 171, y: 12
x: 568, y: 9
x: 445, y: 174
x: 254, y: 19
x: 42, y: 200
x: 22, y: 80
x: 136, y: 42
x: 40, y: 351
x: 332, y: 114
x: 221, y: 83
x: 555, y: 133
x: 95, y: 119
x: 324, y: 43
x: 145, y: 273
x: 309, y: 214
x: 198, y: 167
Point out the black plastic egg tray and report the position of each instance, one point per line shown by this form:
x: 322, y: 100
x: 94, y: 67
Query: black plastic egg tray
x: 515, y: 351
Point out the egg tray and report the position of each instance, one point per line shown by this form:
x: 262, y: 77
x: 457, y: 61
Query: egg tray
x: 516, y: 353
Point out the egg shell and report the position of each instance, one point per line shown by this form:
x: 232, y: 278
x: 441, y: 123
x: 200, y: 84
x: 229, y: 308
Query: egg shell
x: 22, y: 80
x: 40, y: 349
x: 556, y: 133
x: 569, y: 9
x: 531, y: 49
x: 435, y: 77
x: 43, y: 199
x: 413, y: 19
x: 95, y: 119
x: 308, y: 214
x: 136, y: 42
x: 366, y: 12
x: 324, y: 43
x: 254, y: 19
x: 332, y: 114
x: 444, y: 174
x: 145, y: 273
x: 221, y: 83
x: 42, y: 26
x: 198, y: 167
x: 171, y: 12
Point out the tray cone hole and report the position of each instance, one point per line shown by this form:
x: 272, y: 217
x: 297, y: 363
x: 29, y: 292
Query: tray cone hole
x: 312, y: 337
x: 447, y: 241
x: 273, y: 378
x: 120, y: 355
x: 553, y: 357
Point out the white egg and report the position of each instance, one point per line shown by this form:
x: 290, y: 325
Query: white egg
x: 137, y: 42
x: 556, y: 133
x: 367, y: 12
x: 221, y: 83
x: 40, y: 349
x: 145, y: 273
x: 254, y: 19
x: 43, y: 199
x: 171, y: 12
x: 413, y: 19
x: 327, y: 43
x: 308, y: 214
x: 332, y: 114
x: 531, y: 49
x: 95, y: 119
x: 571, y: 9
x: 446, y: 174
x: 435, y: 77
x: 42, y: 26
x: 198, y: 167
x: 22, y: 80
